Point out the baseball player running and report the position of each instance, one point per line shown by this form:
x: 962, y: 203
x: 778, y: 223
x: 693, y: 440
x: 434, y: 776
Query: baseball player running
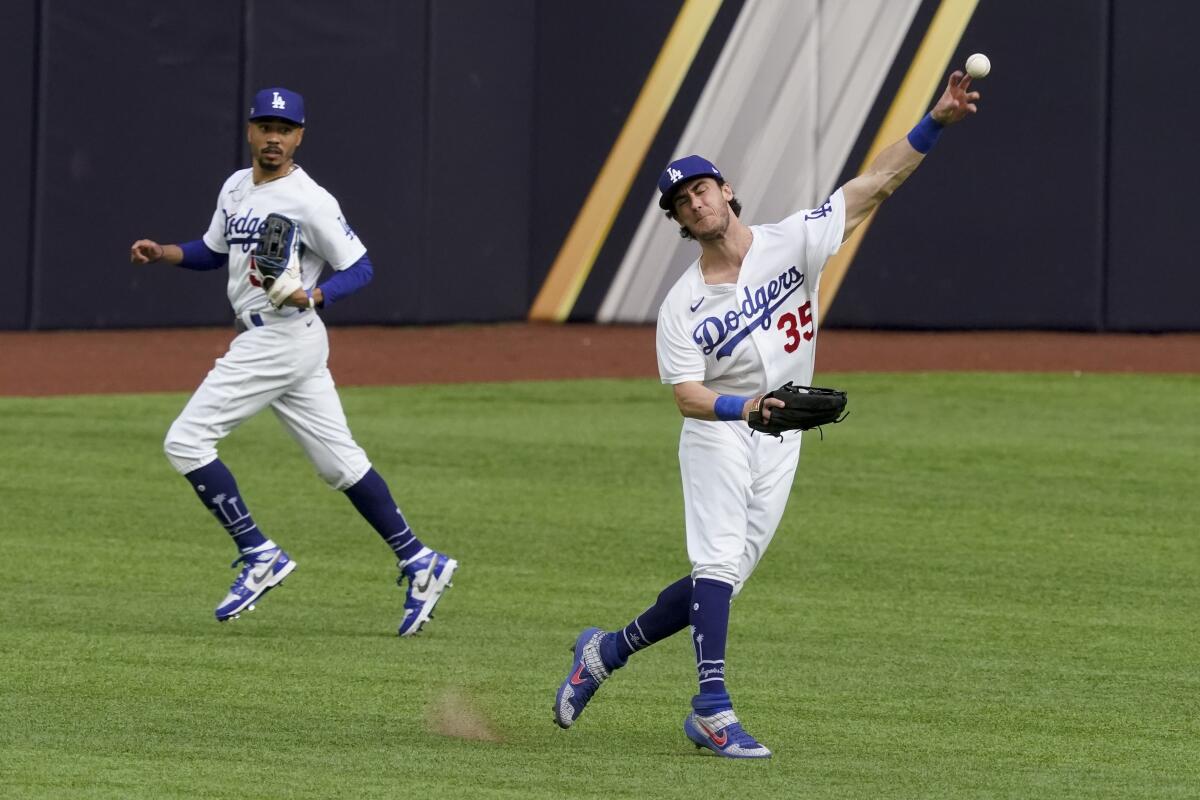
x: 741, y: 320
x: 279, y: 355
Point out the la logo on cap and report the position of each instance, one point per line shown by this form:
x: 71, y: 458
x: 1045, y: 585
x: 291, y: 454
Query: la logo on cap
x: 278, y: 102
x: 674, y: 174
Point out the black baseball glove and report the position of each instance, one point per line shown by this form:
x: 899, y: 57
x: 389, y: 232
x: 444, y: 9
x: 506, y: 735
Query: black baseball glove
x: 276, y: 257
x: 804, y: 407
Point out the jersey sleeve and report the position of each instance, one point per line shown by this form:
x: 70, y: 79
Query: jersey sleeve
x: 821, y: 230
x: 331, y: 237
x: 679, y: 359
x: 214, y: 237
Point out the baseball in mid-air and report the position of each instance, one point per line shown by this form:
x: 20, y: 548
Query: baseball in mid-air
x: 978, y: 65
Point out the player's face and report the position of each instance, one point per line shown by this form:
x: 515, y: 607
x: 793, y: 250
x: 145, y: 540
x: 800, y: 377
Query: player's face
x: 702, y: 207
x: 273, y: 142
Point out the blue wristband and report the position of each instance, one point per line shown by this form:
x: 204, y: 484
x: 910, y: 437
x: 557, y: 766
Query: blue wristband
x: 925, y: 134
x: 729, y: 406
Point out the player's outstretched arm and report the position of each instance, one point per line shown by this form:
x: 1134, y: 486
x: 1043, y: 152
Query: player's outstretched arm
x: 147, y: 251
x: 896, y: 162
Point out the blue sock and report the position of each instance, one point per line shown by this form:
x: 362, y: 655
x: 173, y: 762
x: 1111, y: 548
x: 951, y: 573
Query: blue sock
x: 666, y: 617
x: 710, y: 624
x: 373, y: 500
x: 217, y: 489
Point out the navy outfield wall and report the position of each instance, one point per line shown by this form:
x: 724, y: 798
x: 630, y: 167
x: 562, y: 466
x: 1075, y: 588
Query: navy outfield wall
x: 421, y: 120
x: 1153, y: 280
x: 18, y: 48
x: 461, y: 137
x: 135, y: 113
x: 1065, y: 204
x: 1003, y: 225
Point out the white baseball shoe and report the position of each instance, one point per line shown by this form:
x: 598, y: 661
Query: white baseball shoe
x: 428, y: 576
x: 724, y: 735
x: 263, y: 571
x: 588, y: 671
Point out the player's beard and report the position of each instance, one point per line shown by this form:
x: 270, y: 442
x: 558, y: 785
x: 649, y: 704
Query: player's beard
x: 715, y: 232
x: 268, y: 166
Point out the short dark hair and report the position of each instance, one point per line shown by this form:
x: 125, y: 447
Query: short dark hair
x: 733, y: 204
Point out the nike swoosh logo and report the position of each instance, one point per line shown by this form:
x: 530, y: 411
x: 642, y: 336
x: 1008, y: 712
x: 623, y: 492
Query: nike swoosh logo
x: 577, y: 678
x: 428, y: 576
x: 259, y: 575
x: 308, y: 324
x: 719, y: 741
x: 697, y: 305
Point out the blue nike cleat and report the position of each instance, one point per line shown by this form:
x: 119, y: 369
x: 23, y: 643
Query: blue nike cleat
x: 587, y: 673
x: 724, y: 735
x: 428, y: 577
x: 262, y: 572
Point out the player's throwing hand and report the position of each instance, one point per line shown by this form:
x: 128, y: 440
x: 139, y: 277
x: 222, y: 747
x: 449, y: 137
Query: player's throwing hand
x: 956, y: 102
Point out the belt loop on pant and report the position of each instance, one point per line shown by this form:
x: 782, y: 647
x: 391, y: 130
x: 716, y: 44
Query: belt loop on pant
x: 247, y: 320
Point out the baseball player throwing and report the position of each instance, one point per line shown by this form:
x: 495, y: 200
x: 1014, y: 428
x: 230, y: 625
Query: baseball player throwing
x: 741, y: 320
x: 278, y: 358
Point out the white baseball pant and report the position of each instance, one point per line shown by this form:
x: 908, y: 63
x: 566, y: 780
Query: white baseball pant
x: 735, y: 489
x: 283, y: 365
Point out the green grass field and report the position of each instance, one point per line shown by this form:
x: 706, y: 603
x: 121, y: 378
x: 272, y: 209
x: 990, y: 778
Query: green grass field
x: 985, y: 586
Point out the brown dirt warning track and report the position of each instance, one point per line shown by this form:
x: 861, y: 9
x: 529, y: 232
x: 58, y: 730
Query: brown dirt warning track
x: 84, y: 362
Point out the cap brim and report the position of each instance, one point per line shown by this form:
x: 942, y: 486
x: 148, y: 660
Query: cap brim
x: 276, y: 116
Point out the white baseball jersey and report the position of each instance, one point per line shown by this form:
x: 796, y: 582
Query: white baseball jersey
x: 750, y: 337
x: 745, y: 339
x: 325, y: 237
x: 282, y: 360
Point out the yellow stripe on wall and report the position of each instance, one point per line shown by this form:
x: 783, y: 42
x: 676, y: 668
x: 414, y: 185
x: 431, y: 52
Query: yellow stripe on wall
x: 925, y: 76
x: 574, y: 261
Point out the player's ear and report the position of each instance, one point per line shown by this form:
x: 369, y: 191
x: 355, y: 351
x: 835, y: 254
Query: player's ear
x: 299, y: 137
x: 727, y: 192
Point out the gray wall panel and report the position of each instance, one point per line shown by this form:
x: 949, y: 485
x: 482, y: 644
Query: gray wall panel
x: 783, y: 99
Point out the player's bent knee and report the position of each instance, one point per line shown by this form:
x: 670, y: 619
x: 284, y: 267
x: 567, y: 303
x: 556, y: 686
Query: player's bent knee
x: 341, y: 479
x: 184, y: 454
x: 337, y: 481
x: 342, y: 473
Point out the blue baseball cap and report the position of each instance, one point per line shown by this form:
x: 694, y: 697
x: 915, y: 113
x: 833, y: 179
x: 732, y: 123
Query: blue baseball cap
x: 279, y: 103
x: 682, y: 169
